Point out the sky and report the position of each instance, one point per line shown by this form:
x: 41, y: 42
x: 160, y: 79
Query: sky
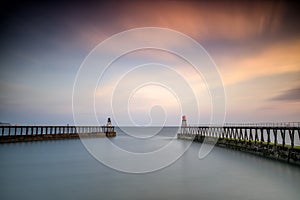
x: 255, y: 46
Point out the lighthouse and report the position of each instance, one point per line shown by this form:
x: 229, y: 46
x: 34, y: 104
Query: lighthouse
x: 183, y: 122
x: 108, y: 122
x: 184, y: 127
x: 109, y: 129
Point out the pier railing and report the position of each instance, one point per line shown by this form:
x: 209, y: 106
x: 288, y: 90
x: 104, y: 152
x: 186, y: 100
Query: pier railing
x: 260, y: 124
x: 258, y: 134
x: 52, y: 130
x: 39, y: 133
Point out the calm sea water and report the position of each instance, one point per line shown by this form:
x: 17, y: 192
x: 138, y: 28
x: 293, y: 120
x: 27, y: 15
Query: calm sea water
x: 65, y: 170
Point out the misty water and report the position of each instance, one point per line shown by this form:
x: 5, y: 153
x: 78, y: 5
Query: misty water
x: 64, y: 169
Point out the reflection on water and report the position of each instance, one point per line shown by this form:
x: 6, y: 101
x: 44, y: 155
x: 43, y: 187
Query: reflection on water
x: 65, y: 170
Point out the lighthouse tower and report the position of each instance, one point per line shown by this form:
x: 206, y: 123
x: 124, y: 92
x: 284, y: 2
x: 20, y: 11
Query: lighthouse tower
x: 183, y: 122
x: 184, y: 127
x: 109, y: 129
x: 108, y: 122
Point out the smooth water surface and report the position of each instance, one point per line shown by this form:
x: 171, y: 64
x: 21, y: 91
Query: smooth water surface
x: 65, y: 170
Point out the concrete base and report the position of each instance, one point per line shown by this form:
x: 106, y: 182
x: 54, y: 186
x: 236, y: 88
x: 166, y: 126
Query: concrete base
x: 30, y: 138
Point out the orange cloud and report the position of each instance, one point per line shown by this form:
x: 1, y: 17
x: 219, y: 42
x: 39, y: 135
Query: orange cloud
x: 206, y: 20
x: 200, y: 20
x: 275, y: 59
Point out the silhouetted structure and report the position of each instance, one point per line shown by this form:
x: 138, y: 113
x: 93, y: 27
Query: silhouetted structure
x: 37, y: 133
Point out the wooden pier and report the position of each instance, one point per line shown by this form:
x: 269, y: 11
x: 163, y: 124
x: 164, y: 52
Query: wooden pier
x: 280, y: 141
x: 39, y: 133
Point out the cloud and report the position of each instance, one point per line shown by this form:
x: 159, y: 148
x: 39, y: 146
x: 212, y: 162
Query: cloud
x: 278, y: 58
x: 288, y: 95
x: 200, y: 20
x: 214, y: 20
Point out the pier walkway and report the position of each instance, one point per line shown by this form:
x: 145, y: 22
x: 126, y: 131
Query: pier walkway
x: 38, y: 133
x: 277, y: 140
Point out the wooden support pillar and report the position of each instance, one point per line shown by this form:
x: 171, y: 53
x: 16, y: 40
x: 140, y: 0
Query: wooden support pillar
x: 222, y: 132
x: 226, y: 133
x: 239, y: 132
x: 268, y: 134
x: 262, y: 135
x: 256, y: 138
x: 292, y: 137
x: 246, y: 134
x: 234, y: 133
x: 229, y: 133
x: 209, y: 132
x: 275, y: 136
x: 215, y: 134
x: 251, y: 135
x: 282, y: 131
x: 3, y: 131
x: 243, y: 132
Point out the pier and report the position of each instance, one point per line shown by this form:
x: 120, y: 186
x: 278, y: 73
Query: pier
x: 39, y: 133
x: 275, y: 140
x: 270, y: 141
